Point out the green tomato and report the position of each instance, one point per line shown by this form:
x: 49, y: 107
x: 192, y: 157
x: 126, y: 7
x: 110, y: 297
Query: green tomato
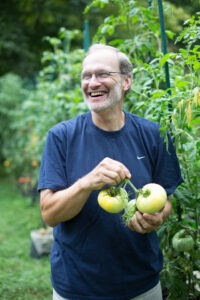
x: 113, y: 200
x: 182, y: 242
x: 152, y: 198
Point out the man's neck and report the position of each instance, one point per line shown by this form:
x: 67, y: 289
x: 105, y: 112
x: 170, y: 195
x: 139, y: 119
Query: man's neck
x: 109, y: 121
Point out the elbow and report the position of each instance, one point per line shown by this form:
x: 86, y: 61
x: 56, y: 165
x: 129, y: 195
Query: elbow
x: 46, y: 214
x: 47, y: 220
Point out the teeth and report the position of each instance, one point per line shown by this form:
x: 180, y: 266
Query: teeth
x: 96, y: 94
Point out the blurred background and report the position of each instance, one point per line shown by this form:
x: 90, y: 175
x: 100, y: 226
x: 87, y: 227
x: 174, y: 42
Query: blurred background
x: 42, y: 44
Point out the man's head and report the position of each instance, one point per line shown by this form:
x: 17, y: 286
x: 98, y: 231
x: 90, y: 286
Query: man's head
x: 106, y: 77
x: 125, y: 65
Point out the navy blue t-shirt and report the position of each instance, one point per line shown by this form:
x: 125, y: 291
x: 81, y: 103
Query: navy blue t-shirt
x: 94, y: 255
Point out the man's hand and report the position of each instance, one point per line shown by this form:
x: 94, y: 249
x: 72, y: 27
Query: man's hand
x: 108, y: 171
x: 145, y: 223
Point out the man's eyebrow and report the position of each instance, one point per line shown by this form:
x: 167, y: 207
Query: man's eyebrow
x: 97, y: 71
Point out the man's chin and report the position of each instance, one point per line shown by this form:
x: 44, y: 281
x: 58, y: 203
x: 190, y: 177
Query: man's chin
x: 101, y: 106
x: 97, y: 108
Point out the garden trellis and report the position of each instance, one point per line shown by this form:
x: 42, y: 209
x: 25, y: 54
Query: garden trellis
x: 164, y: 45
x: 86, y: 34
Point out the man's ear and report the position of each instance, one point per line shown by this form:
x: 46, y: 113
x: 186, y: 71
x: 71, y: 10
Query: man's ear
x: 127, y: 83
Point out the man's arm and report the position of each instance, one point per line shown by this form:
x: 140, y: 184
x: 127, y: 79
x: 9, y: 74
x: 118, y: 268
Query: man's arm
x: 65, y: 204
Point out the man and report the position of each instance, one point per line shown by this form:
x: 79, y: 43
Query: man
x: 94, y: 255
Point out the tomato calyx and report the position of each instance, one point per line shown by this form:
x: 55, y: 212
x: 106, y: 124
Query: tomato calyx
x: 113, y: 191
x: 145, y: 193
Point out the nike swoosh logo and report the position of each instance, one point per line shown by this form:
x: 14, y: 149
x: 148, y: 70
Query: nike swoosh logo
x: 140, y: 157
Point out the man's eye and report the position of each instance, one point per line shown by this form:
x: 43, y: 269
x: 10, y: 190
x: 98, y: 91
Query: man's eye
x: 103, y: 74
x: 86, y: 76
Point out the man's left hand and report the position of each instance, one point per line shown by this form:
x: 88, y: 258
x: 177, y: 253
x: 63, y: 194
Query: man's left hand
x: 145, y: 223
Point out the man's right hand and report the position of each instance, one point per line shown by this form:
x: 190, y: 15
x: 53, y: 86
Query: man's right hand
x: 108, y: 171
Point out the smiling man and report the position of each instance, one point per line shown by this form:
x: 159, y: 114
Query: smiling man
x: 94, y: 256
x: 103, y: 83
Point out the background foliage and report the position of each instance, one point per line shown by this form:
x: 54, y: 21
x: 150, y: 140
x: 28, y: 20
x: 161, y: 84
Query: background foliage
x: 24, y: 24
x: 28, y: 110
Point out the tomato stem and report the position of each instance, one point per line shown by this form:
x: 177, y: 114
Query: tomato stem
x: 127, y: 181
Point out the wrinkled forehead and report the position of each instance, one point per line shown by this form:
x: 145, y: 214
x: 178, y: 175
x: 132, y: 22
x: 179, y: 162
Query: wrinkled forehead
x: 101, y: 59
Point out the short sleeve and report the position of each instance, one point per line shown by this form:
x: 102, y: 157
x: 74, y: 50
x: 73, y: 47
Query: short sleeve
x: 166, y: 169
x: 52, y: 171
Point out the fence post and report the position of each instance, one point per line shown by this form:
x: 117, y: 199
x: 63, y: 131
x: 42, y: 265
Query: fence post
x: 164, y: 47
x: 86, y: 36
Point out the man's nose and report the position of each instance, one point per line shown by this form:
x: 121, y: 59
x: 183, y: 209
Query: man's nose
x: 94, y: 80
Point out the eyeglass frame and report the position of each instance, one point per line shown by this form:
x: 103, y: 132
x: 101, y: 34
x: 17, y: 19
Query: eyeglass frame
x: 98, y: 75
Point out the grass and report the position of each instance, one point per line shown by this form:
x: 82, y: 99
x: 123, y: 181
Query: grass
x: 21, y: 276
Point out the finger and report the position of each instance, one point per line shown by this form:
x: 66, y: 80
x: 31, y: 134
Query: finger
x: 144, y: 226
x: 155, y: 219
x: 136, y: 226
x: 117, y: 167
x: 104, y: 177
x: 111, y: 178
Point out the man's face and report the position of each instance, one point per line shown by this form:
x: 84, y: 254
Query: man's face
x: 101, y: 89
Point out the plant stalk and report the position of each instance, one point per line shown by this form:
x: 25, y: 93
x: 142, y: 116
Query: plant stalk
x: 128, y: 182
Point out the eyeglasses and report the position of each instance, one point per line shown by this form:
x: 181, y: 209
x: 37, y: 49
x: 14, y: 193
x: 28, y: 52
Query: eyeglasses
x: 100, y: 76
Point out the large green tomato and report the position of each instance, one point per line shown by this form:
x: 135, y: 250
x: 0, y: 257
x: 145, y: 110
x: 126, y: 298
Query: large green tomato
x: 113, y: 200
x: 182, y: 241
x: 152, y: 198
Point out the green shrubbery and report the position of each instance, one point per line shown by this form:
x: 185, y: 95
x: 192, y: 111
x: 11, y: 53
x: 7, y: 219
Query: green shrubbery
x: 26, y: 116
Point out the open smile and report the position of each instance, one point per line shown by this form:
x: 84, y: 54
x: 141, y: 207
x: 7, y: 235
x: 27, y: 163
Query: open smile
x: 97, y: 94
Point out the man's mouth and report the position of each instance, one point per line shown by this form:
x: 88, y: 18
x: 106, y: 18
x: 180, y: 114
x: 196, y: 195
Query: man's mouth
x: 97, y: 94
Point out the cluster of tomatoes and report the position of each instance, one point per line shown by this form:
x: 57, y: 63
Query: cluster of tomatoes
x: 149, y: 199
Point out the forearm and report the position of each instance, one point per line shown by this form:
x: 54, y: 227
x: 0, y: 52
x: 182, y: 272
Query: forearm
x: 65, y: 204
